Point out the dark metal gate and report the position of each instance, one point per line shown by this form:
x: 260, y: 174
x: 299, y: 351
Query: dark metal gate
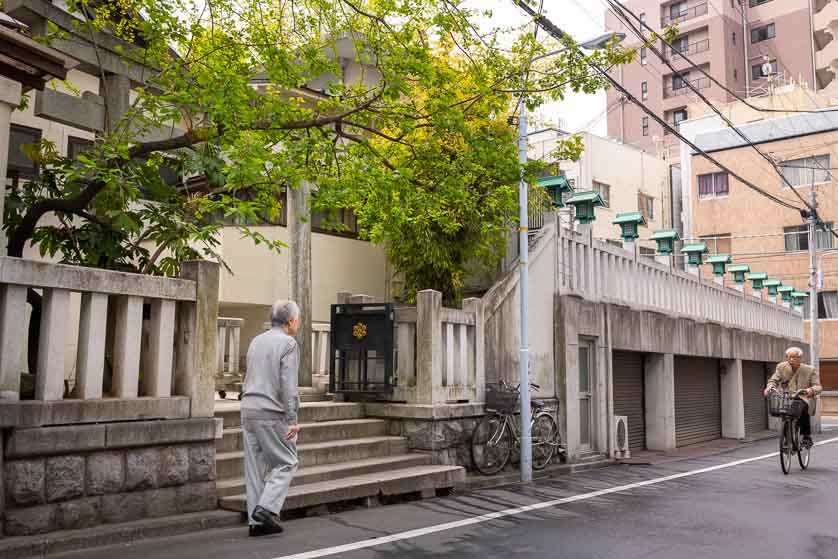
x: 361, y: 349
x: 628, y: 395
x: 753, y: 383
x: 698, y: 400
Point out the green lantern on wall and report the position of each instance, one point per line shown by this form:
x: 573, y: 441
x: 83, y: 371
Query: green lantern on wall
x: 798, y: 298
x: 694, y: 253
x: 739, y: 271
x: 666, y: 241
x: 555, y: 186
x: 772, y: 285
x: 786, y: 291
x: 585, y: 202
x: 757, y: 280
x: 719, y: 262
x: 629, y: 222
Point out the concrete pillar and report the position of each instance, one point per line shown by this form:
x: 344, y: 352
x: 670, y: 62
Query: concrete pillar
x: 719, y: 280
x: 299, y: 230
x: 196, y: 339
x: 630, y: 246
x: 740, y: 287
x: 12, y: 335
x: 159, y: 353
x: 694, y: 270
x: 52, y: 345
x: 126, y: 346
x: 475, y: 305
x: 10, y: 92
x: 733, y: 400
x: 90, y: 360
x: 428, y: 345
x: 659, y: 371
x: 116, y: 91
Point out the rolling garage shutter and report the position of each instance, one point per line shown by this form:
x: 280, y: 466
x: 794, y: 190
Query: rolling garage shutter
x: 753, y: 383
x: 698, y: 400
x: 628, y: 395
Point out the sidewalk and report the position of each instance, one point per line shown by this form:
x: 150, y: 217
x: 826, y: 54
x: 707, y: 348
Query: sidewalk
x: 712, y: 448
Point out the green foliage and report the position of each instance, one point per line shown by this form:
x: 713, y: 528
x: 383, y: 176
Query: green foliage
x: 396, y: 109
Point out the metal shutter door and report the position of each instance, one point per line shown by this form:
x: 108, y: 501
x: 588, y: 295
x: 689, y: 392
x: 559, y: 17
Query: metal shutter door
x: 753, y: 383
x: 628, y: 395
x: 698, y: 400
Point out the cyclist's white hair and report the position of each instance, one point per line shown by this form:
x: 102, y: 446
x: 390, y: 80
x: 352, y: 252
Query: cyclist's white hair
x: 794, y: 351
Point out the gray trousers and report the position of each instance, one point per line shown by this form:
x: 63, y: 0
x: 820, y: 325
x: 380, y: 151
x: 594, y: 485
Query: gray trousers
x: 267, y: 452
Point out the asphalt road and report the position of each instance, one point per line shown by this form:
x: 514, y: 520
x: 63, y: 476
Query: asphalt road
x: 735, y: 505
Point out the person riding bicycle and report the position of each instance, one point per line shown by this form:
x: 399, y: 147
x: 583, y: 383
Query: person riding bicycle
x: 793, y: 375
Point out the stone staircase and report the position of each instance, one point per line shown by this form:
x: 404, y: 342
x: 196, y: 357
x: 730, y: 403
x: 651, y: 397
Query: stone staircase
x: 345, y: 458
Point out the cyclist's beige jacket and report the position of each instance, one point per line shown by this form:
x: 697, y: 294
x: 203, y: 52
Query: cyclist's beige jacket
x: 805, y: 377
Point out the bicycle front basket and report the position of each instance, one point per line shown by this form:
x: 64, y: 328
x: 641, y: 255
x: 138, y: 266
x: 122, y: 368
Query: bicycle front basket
x: 501, y: 398
x: 778, y: 404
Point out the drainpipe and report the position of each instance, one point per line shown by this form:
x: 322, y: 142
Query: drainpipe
x: 745, y: 39
x: 812, y: 33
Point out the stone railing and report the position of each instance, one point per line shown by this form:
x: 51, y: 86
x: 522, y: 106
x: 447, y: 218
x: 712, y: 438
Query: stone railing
x: 609, y: 274
x: 320, y: 348
x: 229, y: 341
x: 439, y: 352
x: 175, y: 358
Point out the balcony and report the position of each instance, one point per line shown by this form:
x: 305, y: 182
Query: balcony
x: 688, y: 50
x: 698, y: 83
x: 827, y: 16
x: 686, y: 15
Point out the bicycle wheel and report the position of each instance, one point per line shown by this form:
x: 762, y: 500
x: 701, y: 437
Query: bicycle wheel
x: 544, y: 439
x: 786, y: 447
x: 803, y: 454
x: 491, y: 445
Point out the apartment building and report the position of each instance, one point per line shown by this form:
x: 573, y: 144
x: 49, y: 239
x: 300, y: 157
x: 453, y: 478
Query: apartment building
x: 734, y: 219
x: 749, y: 46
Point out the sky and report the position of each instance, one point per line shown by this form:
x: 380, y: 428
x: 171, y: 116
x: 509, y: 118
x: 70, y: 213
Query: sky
x: 583, y: 19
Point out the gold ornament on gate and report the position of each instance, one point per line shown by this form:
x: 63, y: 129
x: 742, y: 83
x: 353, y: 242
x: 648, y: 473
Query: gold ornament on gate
x: 359, y: 331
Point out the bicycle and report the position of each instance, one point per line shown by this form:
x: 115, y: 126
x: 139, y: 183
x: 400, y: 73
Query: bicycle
x: 789, y: 408
x: 497, y: 434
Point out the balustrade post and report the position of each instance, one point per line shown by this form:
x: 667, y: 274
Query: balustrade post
x: 428, y: 346
x: 52, y: 345
x: 90, y: 360
x: 477, y: 348
x: 12, y: 330
x: 126, y: 348
x: 160, y: 351
x: 196, y: 339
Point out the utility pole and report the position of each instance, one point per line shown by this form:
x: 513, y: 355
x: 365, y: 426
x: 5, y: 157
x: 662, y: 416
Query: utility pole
x: 523, y: 262
x: 813, y: 276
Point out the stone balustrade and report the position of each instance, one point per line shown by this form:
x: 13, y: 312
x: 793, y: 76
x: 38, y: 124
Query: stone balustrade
x: 229, y: 341
x: 602, y: 273
x: 174, y: 354
x: 439, y: 352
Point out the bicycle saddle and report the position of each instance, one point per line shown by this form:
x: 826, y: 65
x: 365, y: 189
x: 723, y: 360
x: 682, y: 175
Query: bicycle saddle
x: 538, y: 404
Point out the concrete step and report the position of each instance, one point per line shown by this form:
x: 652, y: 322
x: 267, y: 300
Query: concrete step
x: 328, y: 472
x: 314, y: 433
x: 417, y: 479
x: 230, y: 465
x: 310, y: 412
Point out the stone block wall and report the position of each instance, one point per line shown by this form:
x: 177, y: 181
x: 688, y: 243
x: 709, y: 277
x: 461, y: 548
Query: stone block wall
x: 106, y: 473
x: 447, y: 440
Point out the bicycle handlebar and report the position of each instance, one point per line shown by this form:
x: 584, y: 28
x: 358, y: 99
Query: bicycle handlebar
x: 796, y: 394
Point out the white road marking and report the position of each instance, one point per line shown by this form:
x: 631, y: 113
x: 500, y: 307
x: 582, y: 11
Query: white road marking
x: 410, y: 534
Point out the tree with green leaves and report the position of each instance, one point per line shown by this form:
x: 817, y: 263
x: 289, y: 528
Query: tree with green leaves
x: 397, y: 109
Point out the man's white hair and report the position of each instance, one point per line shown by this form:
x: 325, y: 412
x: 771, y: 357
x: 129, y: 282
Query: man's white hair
x: 794, y: 351
x: 283, y: 312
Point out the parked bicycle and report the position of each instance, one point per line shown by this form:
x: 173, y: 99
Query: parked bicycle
x: 789, y: 407
x: 497, y: 434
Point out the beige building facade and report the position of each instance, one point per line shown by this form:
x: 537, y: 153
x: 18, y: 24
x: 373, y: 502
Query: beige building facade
x: 627, y: 178
x: 733, y: 219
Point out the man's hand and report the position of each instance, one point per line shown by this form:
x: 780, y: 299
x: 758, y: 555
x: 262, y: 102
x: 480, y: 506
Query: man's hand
x: 292, y: 432
x: 810, y: 391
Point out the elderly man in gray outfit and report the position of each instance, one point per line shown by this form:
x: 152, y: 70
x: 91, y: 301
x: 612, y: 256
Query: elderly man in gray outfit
x: 269, y: 404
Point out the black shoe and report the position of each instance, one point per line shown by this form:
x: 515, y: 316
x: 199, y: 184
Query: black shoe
x: 807, y: 442
x: 268, y: 523
x: 257, y: 530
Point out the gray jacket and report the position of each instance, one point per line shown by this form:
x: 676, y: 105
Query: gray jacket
x: 270, y: 387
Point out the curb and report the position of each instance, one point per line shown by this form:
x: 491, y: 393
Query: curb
x: 116, y: 534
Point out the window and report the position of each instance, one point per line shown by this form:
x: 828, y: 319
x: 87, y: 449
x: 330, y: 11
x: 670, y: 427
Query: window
x: 711, y: 185
x: 681, y: 44
x: 679, y: 116
x: 340, y: 221
x: 678, y: 10
x: 642, y: 19
x: 21, y: 166
x: 797, y: 238
x: 718, y: 244
x: 75, y: 146
x: 604, y: 191
x: 648, y: 252
x: 828, y: 304
x: 734, y: 37
x: 759, y: 71
x: 755, y: 3
x: 645, y: 125
x: 735, y: 75
x: 646, y: 206
x: 763, y: 33
x: 644, y: 91
x: 642, y: 56
x: 679, y: 81
x: 806, y: 171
